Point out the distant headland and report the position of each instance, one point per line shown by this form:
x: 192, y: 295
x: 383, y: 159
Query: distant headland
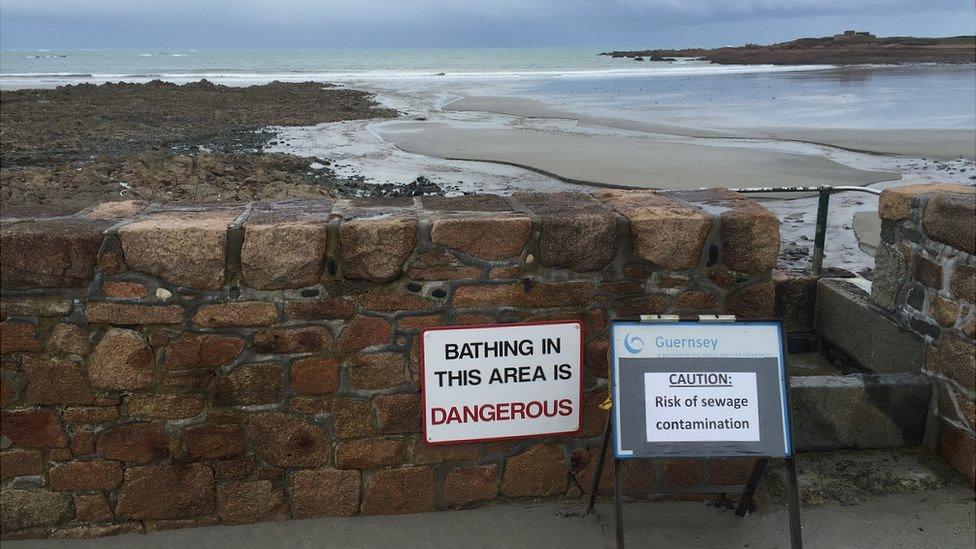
x: 848, y: 48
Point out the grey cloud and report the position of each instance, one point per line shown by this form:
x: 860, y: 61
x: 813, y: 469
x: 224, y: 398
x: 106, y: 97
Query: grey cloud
x: 425, y: 23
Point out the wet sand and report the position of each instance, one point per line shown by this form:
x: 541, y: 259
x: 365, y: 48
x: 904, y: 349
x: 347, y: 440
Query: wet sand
x: 929, y: 143
x: 624, y: 161
x: 943, y: 144
x: 531, y: 108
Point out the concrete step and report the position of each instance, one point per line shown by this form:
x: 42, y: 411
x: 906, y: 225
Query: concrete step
x: 874, y: 343
x: 858, y: 411
x: 865, y: 388
x: 811, y: 364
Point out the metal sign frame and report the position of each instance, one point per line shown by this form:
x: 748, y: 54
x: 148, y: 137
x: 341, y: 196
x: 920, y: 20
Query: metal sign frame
x: 703, y: 449
x: 748, y: 490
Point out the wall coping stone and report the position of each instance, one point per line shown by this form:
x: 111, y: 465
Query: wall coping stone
x: 294, y: 244
x: 895, y: 203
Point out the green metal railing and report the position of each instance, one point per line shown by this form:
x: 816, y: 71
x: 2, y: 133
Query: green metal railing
x: 823, y: 204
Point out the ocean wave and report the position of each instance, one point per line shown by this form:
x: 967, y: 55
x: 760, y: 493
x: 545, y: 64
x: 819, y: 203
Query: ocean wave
x: 43, y: 75
x: 232, y: 77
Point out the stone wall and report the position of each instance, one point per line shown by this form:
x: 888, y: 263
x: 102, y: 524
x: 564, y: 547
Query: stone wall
x: 169, y: 366
x: 926, y: 276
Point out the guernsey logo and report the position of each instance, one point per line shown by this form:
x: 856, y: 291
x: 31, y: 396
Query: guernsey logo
x: 633, y: 344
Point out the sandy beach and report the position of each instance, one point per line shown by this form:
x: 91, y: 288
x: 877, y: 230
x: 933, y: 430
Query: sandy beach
x: 654, y: 163
x: 919, y: 142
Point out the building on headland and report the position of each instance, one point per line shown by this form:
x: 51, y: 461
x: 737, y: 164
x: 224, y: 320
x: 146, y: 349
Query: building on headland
x: 854, y: 36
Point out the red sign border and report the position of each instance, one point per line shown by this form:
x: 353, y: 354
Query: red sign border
x: 423, y: 377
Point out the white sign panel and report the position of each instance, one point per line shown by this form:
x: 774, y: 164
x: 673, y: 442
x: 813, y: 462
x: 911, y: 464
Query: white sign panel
x: 701, y: 406
x: 500, y: 382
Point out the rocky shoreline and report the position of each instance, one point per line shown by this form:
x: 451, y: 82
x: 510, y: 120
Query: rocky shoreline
x: 849, y: 48
x: 162, y: 142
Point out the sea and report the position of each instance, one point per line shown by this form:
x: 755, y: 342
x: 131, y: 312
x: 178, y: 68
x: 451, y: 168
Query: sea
x: 929, y: 96
x: 54, y: 67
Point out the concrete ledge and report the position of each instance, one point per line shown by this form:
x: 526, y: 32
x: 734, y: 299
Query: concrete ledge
x: 859, y: 411
x: 846, y: 319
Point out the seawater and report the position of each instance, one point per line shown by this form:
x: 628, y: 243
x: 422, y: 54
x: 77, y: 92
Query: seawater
x: 918, y: 96
x: 261, y: 65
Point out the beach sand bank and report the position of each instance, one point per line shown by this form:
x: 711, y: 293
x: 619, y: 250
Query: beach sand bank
x: 925, y: 142
x: 628, y: 161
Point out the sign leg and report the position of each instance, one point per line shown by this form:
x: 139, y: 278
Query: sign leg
x: 618, y: 512
x: 751, y: 485
x: 599, y: 464
x: 793, y: 491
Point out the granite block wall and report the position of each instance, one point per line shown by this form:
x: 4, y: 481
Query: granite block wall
x: 169, y: 366
x: 926, y: 276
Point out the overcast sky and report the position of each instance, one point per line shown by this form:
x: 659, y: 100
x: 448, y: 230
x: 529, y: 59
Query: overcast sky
x: 461, y: 23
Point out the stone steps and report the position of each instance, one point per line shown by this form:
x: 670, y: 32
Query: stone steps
x: 865, y: 388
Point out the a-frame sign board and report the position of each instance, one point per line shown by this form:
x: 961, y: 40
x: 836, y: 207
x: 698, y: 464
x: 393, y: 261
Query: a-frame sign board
x: 709, y: 388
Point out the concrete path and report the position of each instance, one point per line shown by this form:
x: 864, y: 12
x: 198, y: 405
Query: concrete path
x: 940, y: 518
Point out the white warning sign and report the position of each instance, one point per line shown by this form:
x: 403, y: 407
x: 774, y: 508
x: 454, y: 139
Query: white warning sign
x: 701, y: 406
x: 497, y: 382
